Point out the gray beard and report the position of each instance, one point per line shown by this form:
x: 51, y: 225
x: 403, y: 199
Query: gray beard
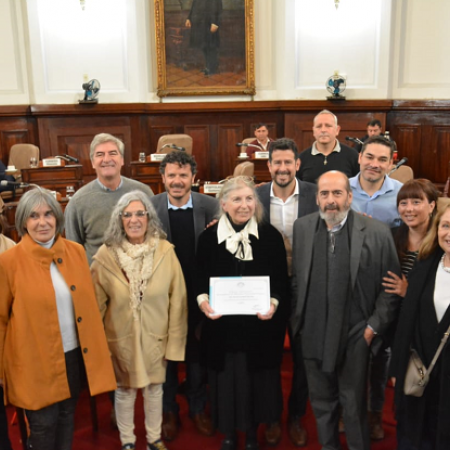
x: 335, y: 218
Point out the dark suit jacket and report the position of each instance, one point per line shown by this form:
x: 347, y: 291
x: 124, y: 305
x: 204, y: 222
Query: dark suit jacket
x: 306, y: 200
x: 205, y: 209
x: 372, y: 254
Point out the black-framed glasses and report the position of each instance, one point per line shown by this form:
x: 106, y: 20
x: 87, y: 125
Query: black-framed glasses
x: 129, y: 214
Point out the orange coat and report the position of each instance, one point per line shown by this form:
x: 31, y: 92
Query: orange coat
x: 32, y: 363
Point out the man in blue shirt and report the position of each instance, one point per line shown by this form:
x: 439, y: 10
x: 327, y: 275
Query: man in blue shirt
x: 374, y: 193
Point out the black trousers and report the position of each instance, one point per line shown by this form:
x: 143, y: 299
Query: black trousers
x: 51, y: 428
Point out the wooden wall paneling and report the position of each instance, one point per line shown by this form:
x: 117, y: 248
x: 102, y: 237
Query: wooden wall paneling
x: 73, y: 135
x: 408, y: 139
x: 8, y: 138
x: 225, y: 153
x: 298, y: 126
x: 15, y: 130
x: 201, y: 149
x: 436, y: 157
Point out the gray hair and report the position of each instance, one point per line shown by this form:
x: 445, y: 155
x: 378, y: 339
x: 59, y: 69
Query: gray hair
x: 235, y: 183
x: 102, y: 138
x: 32, y: 200
x: 115, y: 233
x: 326, y: 111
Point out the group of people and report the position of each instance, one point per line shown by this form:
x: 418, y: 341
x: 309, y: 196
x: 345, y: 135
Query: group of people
x: 118, y: 312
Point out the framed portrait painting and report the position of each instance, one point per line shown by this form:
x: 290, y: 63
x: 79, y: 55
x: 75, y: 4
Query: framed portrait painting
x: 205, y: 47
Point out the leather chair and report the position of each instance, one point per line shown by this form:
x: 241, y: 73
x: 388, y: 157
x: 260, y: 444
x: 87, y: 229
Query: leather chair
x: 19, y: 156
x: 246, y: 168
x: 180, y: 140
x: 403, y: 174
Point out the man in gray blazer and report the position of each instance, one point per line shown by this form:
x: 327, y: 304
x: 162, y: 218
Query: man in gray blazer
x: 340, y: 308
x: 284, y: 200
x: 184, y: 215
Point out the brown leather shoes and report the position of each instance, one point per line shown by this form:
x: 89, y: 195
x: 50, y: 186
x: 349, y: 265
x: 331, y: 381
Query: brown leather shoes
x: 170, y: 426
x: 297, y: 433
x: 376, y: 425
x: 203, y: 424
x: 272, y: 433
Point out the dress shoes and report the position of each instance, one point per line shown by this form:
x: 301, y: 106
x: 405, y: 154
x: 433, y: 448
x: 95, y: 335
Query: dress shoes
x: 341, y: 426
x: 228, y: 444
x: 170, y: 426
x: 272, y: 433
x: 376, y: 425
x: 297, y: 433
x: 203, y: 424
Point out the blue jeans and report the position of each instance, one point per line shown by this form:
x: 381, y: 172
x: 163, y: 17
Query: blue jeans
x: 51, y: 428
x: 195, y: 388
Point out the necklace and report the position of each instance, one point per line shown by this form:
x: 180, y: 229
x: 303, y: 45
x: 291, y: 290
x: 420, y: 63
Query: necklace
x: 447, y: 269
x: 325, y: 162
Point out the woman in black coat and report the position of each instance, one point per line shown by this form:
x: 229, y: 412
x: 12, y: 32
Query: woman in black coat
x: 243, y: 353
x: 424, y: 422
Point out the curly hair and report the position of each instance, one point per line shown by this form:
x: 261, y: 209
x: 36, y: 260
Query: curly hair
x: 115, y: 233
x: 180, y: 158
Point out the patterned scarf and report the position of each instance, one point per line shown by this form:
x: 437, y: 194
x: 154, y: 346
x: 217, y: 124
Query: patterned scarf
x: 137, y: 263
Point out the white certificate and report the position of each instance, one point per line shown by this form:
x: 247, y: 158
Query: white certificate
x: 239, y: 295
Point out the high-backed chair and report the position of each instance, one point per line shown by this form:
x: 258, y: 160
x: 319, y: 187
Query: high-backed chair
x: 20, y: 154
x: 180, y: 140
x: 246, y: 168
x: 402, y: 174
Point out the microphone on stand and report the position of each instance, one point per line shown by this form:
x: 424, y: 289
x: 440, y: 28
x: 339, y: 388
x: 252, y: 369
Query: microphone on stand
x: 175, y: 147
x: 399, y: 164
x: 355, y: 140
x: 72, y: 158
x: 17, y: 184
x: 240, y: 144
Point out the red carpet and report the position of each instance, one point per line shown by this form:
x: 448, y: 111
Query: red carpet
x: 108, y: 439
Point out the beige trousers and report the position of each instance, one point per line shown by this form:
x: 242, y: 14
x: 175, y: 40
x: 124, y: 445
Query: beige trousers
x: 125, y: 399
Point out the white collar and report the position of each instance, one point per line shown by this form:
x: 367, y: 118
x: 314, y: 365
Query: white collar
x: 226, y: 232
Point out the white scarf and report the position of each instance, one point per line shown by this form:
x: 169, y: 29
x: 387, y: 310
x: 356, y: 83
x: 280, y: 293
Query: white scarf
x: 237, y: 241
x: 137, y: 263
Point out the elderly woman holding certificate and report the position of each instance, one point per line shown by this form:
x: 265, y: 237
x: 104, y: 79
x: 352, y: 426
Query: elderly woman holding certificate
x: 243, y: 351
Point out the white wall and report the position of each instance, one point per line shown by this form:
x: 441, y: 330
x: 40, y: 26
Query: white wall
x: 386, y: 48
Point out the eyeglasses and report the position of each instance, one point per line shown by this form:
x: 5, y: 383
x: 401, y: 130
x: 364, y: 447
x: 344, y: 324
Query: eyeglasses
x: 129, y: 214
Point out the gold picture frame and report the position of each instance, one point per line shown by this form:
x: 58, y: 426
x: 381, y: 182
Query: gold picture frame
x: 186, y: 66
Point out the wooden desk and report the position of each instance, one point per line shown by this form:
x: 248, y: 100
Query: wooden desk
x: 262, y: 173
x: 9, y: 213
x: 148, y: 173
x: 55, y: 178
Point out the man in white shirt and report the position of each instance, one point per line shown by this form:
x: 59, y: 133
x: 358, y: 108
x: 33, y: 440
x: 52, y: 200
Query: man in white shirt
x: 284, y: 200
